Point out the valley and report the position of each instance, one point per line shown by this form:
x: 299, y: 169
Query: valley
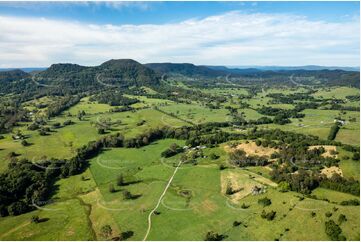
x: 162, y: 151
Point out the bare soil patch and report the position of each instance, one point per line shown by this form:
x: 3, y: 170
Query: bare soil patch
x: 252, y: 149
x: 329, y: 171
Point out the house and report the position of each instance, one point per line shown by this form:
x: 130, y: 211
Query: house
x: 258, y: 190
x: 342, y: 122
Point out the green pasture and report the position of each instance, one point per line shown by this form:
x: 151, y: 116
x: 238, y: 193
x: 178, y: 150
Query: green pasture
x: 338, y: 93
x: 196, y: 113
x: 63, y: 142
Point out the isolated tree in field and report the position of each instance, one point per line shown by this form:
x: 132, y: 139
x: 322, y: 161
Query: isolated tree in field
x: 35, y: 219
x: 126, y: 235
x: 111, y: 188
x: 269, y: 216
x: 342, y: 218
x: 229, y: 189
x: 127, y: 194
x: 264, y: 201
x: 174, y: 147
x: 80, y: 115
x: 24, y: 143
x: 120, y: 180
x: 106, y: 231
x: 213, y: 236
x: 356, y: 156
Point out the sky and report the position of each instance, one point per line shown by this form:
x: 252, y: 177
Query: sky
x: 38, y: 34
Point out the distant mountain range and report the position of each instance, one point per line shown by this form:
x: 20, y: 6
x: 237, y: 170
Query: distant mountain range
x: 288, y: 68
x: 255, y: 68
x: 128, y: 73
x: 25, y: 69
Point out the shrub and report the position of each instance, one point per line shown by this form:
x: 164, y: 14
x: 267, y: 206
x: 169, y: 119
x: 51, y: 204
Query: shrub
x: 67, y: 122
x: 356, y: 156
x: 127, y: 194
x: 106, y: 231
x: 42, y: 132
x: 229, y: 190
x: 269, y: 216
x: 264, y: 201
x: 222, y: 167
x: 333, y: 230
x: 126, y: 235
x: 120, y: 180
x: 236, y: 223
x: 352, y: 202
x: 24, y: 143
x: 213, y: 236
x: 33, y: 126
x: 284, y: 186
x: 244, y: 206
x: 111, y: 188
x: 56, y: 125
x: 342, y: 218
x: 35, y: 219
x: 213, y: 156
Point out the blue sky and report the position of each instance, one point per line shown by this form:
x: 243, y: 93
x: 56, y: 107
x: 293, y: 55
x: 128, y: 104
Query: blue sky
x: 216, y: 33
x: 168, y: 12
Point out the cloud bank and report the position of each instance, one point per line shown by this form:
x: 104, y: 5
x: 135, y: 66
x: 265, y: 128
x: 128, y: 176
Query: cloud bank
x: 233, y: 38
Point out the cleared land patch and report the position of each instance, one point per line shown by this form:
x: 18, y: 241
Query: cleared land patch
x: 329, y: 171
x: 239, y: 182
x: 329, y: 150
x: 252, y: 148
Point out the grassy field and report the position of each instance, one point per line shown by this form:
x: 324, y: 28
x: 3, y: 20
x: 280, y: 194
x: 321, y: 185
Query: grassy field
x: 226, y: 91
x: 319, y: 122
x: 63, y: 142
x: 64, y: 217
x: 196, y: 201
x: 196, y: 113
x: 339, y: 92
x: 349, y: 167
x: 332, y: 196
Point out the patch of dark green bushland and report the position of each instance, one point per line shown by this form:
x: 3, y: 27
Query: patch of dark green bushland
x: 333, y: 131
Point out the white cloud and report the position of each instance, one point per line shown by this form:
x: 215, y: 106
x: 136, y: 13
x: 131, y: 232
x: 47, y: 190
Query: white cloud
x: 233, y: 38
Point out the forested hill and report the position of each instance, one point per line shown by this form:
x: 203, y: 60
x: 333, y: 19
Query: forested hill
x: 122, y: 72
x: 12, y: 75
x: 308, y: 77
x: 125, y: 73
x: 185, y: 69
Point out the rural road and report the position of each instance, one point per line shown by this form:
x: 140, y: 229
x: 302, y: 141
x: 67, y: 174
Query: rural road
x: 159, y: 201
x: 97, y: 78
x: 294, y: 82
x: 33, y: 78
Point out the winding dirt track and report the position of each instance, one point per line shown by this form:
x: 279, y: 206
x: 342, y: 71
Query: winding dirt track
x: 159, y: 201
